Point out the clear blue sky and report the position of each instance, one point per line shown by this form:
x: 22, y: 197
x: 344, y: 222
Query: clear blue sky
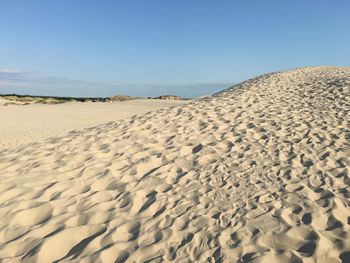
x: 173, y: 45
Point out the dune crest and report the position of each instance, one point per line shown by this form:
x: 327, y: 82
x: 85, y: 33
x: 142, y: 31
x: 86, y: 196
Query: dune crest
x: 256, y: 173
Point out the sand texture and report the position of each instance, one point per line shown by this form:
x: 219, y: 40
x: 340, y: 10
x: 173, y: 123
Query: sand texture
x: 24, y: 124
x: 256, y: 173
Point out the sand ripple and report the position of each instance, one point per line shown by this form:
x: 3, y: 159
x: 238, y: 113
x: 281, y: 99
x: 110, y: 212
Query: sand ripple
x: 256, y: 173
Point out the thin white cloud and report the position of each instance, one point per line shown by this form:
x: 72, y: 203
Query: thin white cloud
x: 30, y: 82
x: 10, y: 70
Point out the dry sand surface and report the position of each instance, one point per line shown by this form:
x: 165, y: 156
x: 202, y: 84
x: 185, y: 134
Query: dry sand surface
x: 256, y: 173
x: 30, y: 123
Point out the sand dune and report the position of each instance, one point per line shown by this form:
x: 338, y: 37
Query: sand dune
x: 256, y: 173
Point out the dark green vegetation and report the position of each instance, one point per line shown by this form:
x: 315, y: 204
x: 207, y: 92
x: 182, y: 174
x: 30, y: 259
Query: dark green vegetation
x: 30, y: 99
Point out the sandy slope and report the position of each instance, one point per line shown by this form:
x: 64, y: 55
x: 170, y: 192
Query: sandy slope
x: 257, y: 173
x: 24, y: 124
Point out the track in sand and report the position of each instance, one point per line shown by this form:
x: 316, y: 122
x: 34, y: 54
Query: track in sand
x: 256, y: 173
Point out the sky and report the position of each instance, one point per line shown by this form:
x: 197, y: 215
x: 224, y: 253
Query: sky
x: 156, y: 47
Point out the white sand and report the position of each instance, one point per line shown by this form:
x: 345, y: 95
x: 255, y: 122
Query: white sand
x: 31, y: 123
x: 258, y: 173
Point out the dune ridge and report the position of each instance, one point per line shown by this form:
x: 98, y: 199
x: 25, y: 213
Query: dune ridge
x: 256, y: 173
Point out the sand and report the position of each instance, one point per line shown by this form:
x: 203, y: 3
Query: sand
x: 23, y: 124
x: 256, y: 173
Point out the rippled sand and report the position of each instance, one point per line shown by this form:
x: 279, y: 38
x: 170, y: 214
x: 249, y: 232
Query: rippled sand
x: 256, y: 173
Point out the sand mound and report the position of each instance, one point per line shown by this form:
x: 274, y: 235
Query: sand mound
x: 256, y: 173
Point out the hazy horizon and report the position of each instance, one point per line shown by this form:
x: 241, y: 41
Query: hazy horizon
x: 15, y: 81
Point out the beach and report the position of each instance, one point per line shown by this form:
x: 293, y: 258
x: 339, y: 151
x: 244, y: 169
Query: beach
x: 23, y: 124
x: 256, y: 173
